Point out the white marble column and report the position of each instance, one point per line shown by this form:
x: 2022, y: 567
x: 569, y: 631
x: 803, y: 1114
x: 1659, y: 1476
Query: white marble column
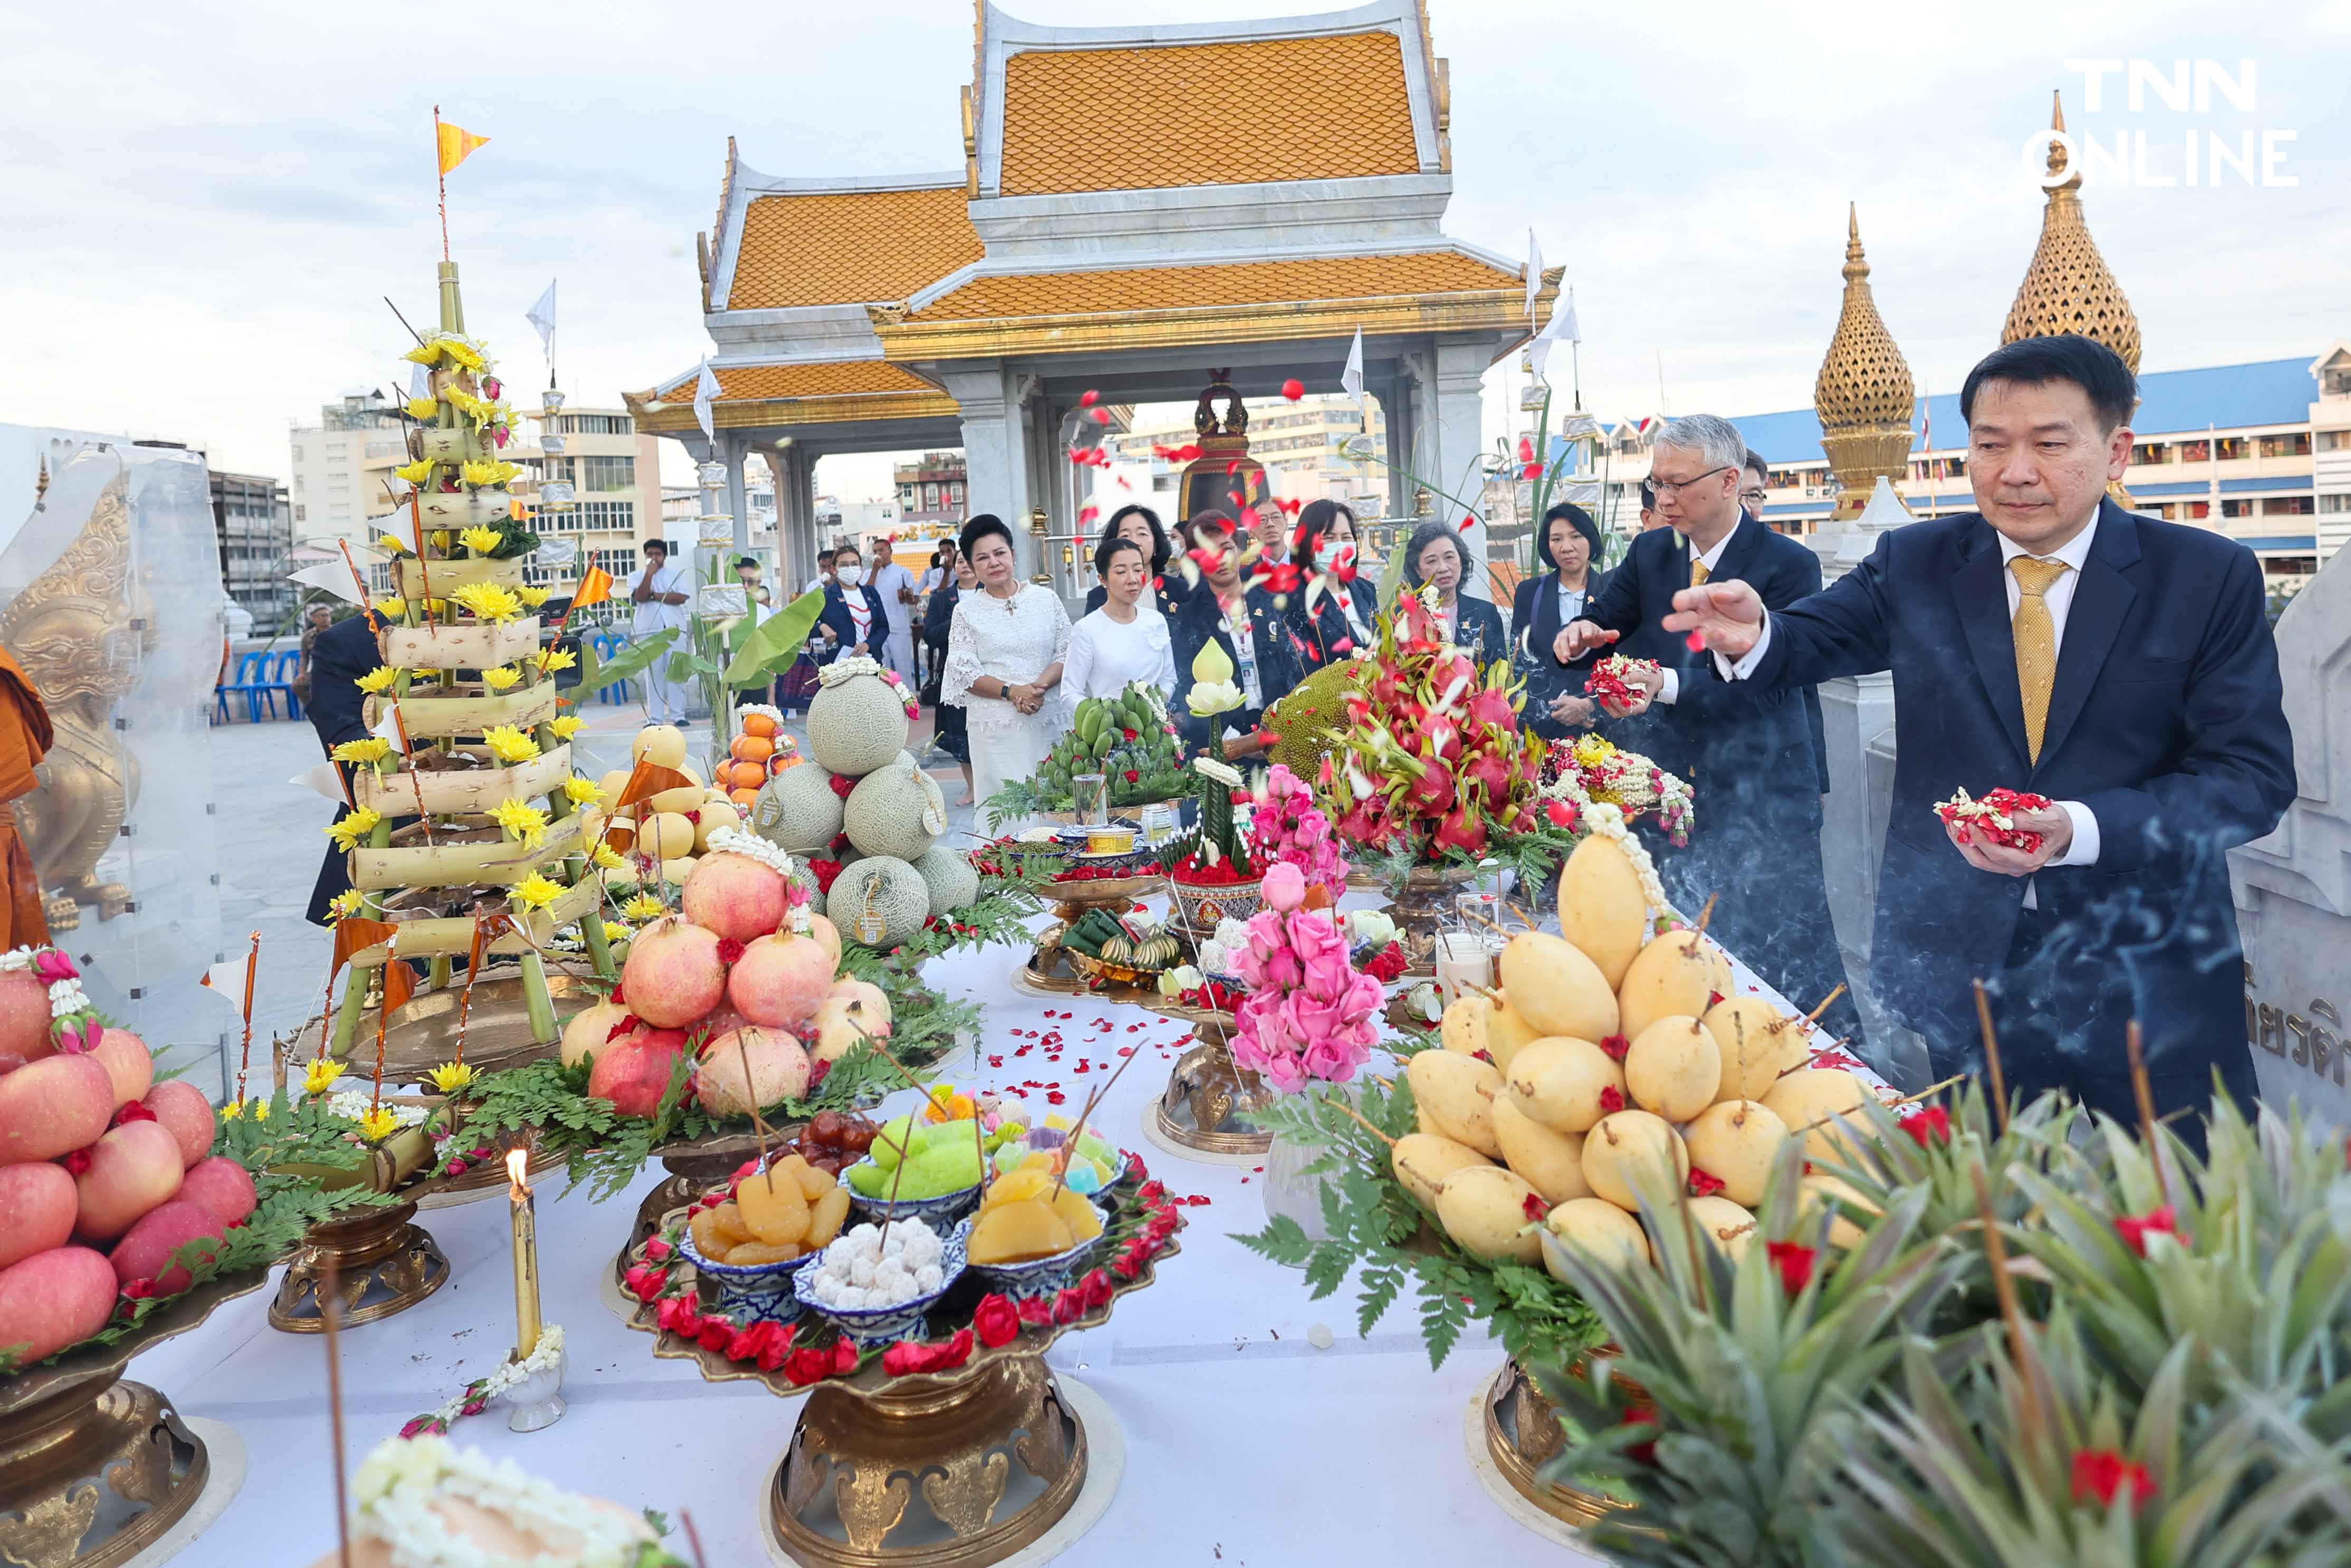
x: 995, y: 450
x: 1456, y: 441
x: 739, y: 504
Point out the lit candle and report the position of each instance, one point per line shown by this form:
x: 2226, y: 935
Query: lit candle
x: 526, y: 1255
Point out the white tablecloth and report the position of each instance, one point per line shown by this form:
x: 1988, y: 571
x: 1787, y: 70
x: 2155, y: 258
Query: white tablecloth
x: 1245, y: 1444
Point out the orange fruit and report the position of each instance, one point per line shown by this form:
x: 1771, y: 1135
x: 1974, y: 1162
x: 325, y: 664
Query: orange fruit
x: 783, y: 760
x: 745, y: 798
x: 759, y: 724
x: 753, y: 748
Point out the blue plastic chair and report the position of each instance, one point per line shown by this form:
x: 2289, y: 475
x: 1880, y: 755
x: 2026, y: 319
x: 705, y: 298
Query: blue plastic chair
x: 253, y: 685
x: 288, y: 665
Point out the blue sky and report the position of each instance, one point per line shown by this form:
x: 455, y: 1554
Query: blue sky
x: 206, y: 203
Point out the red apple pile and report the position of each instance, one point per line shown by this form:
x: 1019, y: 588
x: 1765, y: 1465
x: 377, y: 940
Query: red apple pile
x: 104, y: 1174
x: 767, y: 1002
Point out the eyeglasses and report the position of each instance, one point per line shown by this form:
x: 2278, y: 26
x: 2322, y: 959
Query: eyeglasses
x: 1756, y: 496
x: 1668, y: 487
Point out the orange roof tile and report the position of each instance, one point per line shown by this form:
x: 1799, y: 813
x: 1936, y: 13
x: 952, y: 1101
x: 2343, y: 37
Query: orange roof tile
x: 1211, y: 287
x: 849, y: 247
x: 1206, y: 114
x: 753, y: 383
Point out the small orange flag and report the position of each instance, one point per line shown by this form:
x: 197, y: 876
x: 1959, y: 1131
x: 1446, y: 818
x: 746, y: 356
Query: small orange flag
x: 456, y: 143
x: 595, y: 588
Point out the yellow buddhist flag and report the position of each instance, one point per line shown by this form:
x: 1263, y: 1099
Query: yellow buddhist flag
x: 456, y: 143
x: 595, y: 588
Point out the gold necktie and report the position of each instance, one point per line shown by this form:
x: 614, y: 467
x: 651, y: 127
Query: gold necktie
x: 1698, y: 574
x: 2036, y: 644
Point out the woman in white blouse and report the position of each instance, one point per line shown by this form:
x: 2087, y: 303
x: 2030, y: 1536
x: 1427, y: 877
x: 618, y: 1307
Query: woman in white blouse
x: 1005, y: 649
x: 1125, y: 641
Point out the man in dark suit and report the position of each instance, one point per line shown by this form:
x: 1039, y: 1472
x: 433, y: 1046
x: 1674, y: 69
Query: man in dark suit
x: 341, y: 655
x: 2053, y: 642
x: 1747, y: 751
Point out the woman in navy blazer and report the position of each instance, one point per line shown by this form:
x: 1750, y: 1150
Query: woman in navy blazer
x: 836, y: 618
x: 1343, y: 618
x: 1569, y: 545
x: 1436, y: 555
x: 1207, y: 615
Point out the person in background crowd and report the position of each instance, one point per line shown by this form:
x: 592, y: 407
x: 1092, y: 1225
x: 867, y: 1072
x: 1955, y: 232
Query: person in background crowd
x: 1754, y: 482
x: 1435, y: 556
x: 662, y: 590
x: 823, y: 580
x: 852, y: 622
x: 895, y: 584
x: 314, y: 620
x: 1270, y: 529
x: 1343, y: 616
x: 939, y: 574
x: 949, y: 734
x: 756, y: 609
x: 2120, y: 665
x: 1005, y: 648
x: 1650, y: 517
x: 1142, y: 525
x: 1126, y: 640
x: 758, y: 602
x: 1748, y: 754
x: 343, y: 652
x: 1570, y: 546
x: 1266, y: 660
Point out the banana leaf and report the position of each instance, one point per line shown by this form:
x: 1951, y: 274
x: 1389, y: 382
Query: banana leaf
x: 775, y: 641
x: 595, y: 674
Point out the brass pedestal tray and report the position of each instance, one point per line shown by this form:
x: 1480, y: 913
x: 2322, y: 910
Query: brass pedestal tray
x: 694, y: 1166
x: 1201, y: 1111
x: 1522, y: 1434
x: 950, y: 1469
x: 386, y: 1265
x: 94, y: 1470
x: 1421, y: 908
x: 1047, y: 971
x: 422, y: 1033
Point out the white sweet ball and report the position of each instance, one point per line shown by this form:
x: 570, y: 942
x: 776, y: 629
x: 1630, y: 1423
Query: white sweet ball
x: 928, y: 1278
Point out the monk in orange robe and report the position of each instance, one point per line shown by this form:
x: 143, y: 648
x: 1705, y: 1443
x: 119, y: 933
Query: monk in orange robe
x: 24, y: 738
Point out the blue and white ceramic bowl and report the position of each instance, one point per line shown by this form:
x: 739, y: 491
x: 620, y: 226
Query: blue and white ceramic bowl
x: 939, y: 1213
x: 1044, y: 1277
x: 753, y: 1294
x: 869, y: 1327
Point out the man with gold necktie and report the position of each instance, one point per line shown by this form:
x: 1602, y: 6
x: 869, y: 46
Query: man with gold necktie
x: 2055, y: 643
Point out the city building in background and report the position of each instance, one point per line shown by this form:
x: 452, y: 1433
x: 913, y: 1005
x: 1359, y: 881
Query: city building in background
x: 595, y: 459
x: 1297, y: 442
x: 340, y: 466
x: 931, y: 491
x: 253, y: 520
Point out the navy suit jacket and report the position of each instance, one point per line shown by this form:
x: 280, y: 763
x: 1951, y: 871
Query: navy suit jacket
x: 1280, y: 662
x: 1327, y: 628
x: 1766, y: 743
x: 835, y: 614
x: 343, y: 652
x: 2165, y: 719
x: 1534, y: 615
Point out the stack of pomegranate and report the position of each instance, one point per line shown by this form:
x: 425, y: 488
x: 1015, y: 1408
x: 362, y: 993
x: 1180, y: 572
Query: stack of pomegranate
x: 104, y: 1173
x: 747, y: 974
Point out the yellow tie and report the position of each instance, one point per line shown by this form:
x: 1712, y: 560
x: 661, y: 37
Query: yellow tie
x: 2036, y: 644
x: 1698, y: 574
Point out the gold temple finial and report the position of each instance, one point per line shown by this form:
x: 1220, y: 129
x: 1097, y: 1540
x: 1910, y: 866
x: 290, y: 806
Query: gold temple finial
x: 1864, y: 394
x: 2068, y: 288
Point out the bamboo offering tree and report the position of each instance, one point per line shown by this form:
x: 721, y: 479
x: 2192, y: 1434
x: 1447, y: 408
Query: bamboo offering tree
x: 468, y: 745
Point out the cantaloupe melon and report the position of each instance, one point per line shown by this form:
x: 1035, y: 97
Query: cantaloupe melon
x: 1680, y: 972
x: 856, y: 724
x: 1735, y: 1142
x: 896, y: 811
x: 1759, y: 1042
x: 1552, y: 986
x: 1673, y: 1068
x: 1423, y: 1160
x: 1484, y: 1210
x: 1455, y: 1093
x: 948, y: 874
x: 878, y: 888
x: 1565, y: 1084
x: 1552, y: 1163
x: 1602, y: 909
x: 1829, y: 1096
x: 1630, y: 1150
x: 796, y: 810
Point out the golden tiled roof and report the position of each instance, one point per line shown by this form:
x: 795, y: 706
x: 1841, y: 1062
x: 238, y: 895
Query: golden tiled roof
x: 847, y: 378
x: 1206, y: 114
x: 1214, y: 287
x: 849, y: 247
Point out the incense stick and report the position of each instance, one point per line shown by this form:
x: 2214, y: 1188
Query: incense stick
x: 751, y: 1097
x: 1996, y: 1254
x: 245, y: 1054
x: 1889, y: 1104
x: 1706, y: 914
x: 693, y: 1538
x: 1365, y: 1122
x: 1101, y: 1092
x: 1992, y: 1056
x: 2144, y: 1092
x: 328, y: 1293
x: 1815, y: 1016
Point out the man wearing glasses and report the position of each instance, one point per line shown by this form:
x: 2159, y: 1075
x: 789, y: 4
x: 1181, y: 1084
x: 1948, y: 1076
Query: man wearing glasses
x: 1751, y: 760
x: 1755, y: 484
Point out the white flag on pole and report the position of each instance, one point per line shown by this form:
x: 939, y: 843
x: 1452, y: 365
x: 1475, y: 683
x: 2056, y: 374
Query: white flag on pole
x: 1534, y: 273
x: 705, y: 393
x: 1559, y: 329
x: 542, y: 316
x: 329, y: 577
x: 225, y: 979
x: 388, y: 726
x: 325, y: 778
x: 1351, y: 380
x: 420, y: 382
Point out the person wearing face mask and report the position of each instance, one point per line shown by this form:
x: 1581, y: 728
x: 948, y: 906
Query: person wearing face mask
x: 1570, y: 544
x: 854, y: 616
x: 1142, y: 525
x: 1332, y: 617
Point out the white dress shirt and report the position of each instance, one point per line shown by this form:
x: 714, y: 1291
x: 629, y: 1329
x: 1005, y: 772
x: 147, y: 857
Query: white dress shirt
x: 1708, y: 560
x: 2058, y: 598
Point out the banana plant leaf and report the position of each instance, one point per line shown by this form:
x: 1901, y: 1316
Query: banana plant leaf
x: 775, y: 641
x: 595, y: 674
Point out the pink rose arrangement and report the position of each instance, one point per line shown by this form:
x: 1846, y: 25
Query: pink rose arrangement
x: 1309, y: 1013
x: 1286, y: 825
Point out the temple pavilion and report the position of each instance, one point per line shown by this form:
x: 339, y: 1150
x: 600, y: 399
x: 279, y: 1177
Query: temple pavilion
x: 1138, y: 206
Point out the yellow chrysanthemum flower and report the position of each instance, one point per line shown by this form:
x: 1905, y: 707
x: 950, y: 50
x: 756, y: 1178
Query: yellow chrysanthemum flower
x: 437, y: 608
x: 424, y: 408
x: 353, y: 826
x: 474, y: 408
x: 607, y: 858
x: 501, y: 678
x: 535, y: 892
x: 489, y: 601
x: 260, y: 1109
x: 415, y: 473
x: 378, y: 680
x: 509, y: 744
x: 320, y: 1075
x: 345, y: 904
x: 614, y: 931
x: 567, y: 726
x: 644, y: 907
x: 481, y: 541
x: 583, y: 791
x: 390, y: 544
x: 440, y: 538
x: 375, y: 749
x: 522, y: 820
x: 533, y: 597
x: 392, y: 607
x: 452, y: 1077
x: 556, y: 659
x: 448, y: 345
x: 231, y: 1110
x: 379, y: 1124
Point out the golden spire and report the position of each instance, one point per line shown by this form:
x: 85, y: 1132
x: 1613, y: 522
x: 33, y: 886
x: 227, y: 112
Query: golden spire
x: 1864, y: 394
x: 2068, y: 288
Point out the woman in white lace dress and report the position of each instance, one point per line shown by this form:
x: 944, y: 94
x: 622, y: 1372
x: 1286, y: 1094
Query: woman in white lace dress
x: 1005, y: 648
